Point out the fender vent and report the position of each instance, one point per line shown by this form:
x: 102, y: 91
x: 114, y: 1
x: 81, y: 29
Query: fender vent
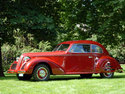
x: 23, y: 66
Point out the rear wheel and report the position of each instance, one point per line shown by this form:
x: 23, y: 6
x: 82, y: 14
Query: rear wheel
x: 107, y: 75
x: 107, y: 69
x: 41, y: 73
x: 86, y: 75
x: 24, y: 77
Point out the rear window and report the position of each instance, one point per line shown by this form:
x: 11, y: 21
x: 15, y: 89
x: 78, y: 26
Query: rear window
x: 96, y: 49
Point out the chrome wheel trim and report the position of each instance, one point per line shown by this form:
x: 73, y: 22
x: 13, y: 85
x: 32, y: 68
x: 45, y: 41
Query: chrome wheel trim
x: 107, y: 66
x: 107, y: 74
x: 42, y: 73
x: 108, y: 69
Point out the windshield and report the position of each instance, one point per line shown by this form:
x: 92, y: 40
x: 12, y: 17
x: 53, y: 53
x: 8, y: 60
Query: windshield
x: 61, y: 47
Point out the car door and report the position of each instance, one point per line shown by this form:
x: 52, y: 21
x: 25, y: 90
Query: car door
x: 79, y: 59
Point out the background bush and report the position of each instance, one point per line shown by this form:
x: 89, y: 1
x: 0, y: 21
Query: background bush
x: 10, y: 52
x: 117, y: 52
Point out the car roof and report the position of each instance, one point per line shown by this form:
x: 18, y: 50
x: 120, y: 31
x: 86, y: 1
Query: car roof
x: 86, y: 42
x: 81, y: 41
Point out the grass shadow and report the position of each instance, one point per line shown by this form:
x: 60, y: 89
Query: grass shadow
x: 8, y: 78
x: 119, y: 76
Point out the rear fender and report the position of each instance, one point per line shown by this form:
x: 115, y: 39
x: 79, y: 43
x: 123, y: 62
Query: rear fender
x: 56, y: 69
x: 104, y: 61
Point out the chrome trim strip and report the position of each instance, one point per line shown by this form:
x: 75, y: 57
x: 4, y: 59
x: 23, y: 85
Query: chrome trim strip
x: 20, y: 60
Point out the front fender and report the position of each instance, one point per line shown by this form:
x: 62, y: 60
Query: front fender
x: 56, y: 69
x: 12, y: 68
x: 102, y: 63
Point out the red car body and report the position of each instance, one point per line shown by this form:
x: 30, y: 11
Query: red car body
x: 93, y: 58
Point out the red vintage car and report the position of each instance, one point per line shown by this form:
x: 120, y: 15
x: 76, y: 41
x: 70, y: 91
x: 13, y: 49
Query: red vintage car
x: 82, y: 57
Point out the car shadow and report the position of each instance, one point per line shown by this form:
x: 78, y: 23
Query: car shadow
x: 62, y: 78
x: 119, y: 76
x: 78, y: 77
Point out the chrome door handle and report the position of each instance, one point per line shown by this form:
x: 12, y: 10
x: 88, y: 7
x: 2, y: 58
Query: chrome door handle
x: 90, y: 57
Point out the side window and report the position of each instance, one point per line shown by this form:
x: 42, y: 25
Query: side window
x: 86, y: 48
x: 80, y: 48
x: 96, y: 49
x: 63, y: 47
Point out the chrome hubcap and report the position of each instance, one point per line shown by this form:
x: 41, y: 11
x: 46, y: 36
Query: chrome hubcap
x: 108, y: 73
x: 42, y: 73
x: 107, y: 67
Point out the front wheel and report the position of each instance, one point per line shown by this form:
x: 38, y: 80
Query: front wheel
x: 24, y: 77
x: 107, y: 75
x: 41, y: 73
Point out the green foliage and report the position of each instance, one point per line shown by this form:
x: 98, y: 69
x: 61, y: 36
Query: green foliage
x: 8, y: 55
x: 36, y: 17
x: 38, y: 25
x: 104, y: 19
x: 10, y: 52
x: 117, y: 52
x: 45, y: 46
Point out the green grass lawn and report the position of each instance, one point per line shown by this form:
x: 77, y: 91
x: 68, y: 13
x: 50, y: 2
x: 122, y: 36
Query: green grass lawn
x: 64, y: 84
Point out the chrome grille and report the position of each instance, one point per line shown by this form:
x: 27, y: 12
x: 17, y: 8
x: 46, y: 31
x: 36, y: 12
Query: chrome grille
x: 13, y: 66
x: 19, y: 62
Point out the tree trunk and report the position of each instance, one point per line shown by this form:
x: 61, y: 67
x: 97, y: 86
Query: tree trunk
x: 1, y: 68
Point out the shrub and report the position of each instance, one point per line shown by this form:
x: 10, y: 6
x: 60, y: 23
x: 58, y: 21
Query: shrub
x: 10, y: 52
x: 8, y: 55
x: 117, y: 52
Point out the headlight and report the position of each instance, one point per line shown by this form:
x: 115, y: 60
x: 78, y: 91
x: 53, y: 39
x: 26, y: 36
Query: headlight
x: 26, y: 59
x: 17, y: 59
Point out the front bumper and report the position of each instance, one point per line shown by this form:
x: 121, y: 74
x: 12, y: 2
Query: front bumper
x: 15, y: 68
x: 12, y: 71
x: 16, y: 72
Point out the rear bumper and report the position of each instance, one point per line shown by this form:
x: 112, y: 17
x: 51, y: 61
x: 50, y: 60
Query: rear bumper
x: 120, y: 71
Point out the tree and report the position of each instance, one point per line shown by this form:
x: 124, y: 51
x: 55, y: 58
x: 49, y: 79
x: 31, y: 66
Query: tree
x: 1, y: 68
x: 69, y: 19
x: 5, y: 31
x: 104, y: 19
x: 35, y: 16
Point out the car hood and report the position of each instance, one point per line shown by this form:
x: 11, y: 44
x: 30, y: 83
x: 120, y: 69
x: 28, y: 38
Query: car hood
x: 37, y: 54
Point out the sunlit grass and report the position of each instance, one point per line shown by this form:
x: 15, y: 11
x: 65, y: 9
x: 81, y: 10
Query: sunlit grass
x: 64, y: 84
